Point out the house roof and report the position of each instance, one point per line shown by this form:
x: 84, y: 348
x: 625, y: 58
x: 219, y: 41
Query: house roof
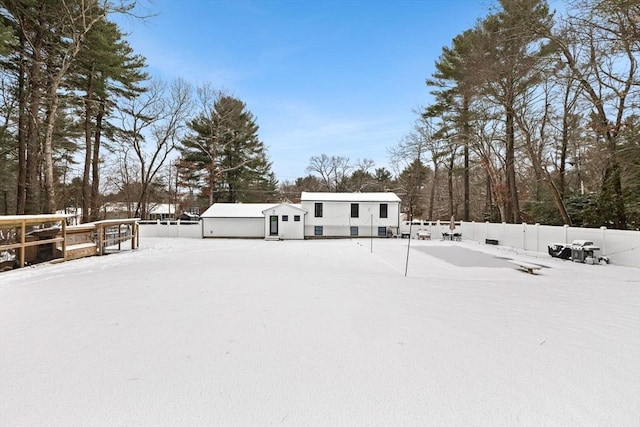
x: 349, y: 197
x: 292, y: 205
x: 237, y: 210
x: 162, y: 208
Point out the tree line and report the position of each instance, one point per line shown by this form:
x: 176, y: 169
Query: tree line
x: 84, y: 124
x: 534, y: 117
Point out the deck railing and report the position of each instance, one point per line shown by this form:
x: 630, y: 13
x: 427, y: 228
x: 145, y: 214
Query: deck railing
x: 36, y: 238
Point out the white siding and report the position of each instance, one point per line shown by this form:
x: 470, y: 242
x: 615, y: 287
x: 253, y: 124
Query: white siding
x: 233, y: 227
x: 287, y: 230
x: 336, y: 219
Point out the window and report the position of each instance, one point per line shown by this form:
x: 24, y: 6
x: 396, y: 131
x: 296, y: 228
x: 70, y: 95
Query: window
x: 382, y: 231
x: 318, y: 210
x: 355, y: 210
x: 296, y: 218
x: 317, y: 230
x: 285, y: 218
x: 354, y: 231
x: 383, y: 210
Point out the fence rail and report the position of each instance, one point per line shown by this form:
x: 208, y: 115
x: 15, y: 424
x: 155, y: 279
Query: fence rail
x: 37, y: 238
x: 170, y: 228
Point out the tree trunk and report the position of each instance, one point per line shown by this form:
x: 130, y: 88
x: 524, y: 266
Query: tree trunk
x: 32, y: 197
x: 432, y: 194
x: 564, y: 144
x: 49, y: 184
x: 22, y: 133
x: 88, y: 116
x: 512, y: 205
x: 212, y: 185
x: 466, y: 136
x: 95, y: 166
x: 450, y: 182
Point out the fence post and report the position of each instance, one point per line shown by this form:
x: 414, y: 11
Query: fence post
x: 604, y: 240
x: 486, y: 230
x: 157, y: 227
x: 566, y: 233
x: 537, y: 237
x: 524, y: 236
x: 178, y: 227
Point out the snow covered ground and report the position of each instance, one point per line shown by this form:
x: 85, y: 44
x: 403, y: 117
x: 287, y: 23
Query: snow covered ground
x: 191, y: 332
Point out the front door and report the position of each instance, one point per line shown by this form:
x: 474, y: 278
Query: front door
x: 273, y: 225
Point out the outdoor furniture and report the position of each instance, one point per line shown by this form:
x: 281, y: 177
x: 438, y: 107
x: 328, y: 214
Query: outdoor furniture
x: 529, y: 268
x: 559, y: 250
x: 452, y: 235
x: 424, y: 235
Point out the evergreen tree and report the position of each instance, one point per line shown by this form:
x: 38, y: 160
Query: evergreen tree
x: 106, y: 69
x: 225, y: 145
x: 412, y: 181
x: 50, y: 35
x: 506, y: 65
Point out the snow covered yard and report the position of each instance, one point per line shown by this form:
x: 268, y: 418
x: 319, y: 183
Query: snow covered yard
x: 190, y: 332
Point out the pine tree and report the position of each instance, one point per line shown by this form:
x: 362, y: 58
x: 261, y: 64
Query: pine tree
x: 225, y: 145
x: 508, y: 50
x: 106, y: 69
x: 50, y: 35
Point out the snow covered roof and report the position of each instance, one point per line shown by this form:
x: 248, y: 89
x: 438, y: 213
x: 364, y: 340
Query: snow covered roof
x: 293, y: 205
x: 162, y: 208
x: 350, y: 197
x: 237, y: 210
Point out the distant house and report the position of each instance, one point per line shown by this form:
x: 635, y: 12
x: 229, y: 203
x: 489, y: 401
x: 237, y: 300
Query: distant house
x: 117, y: 210
x: 162, y: 211
x: 351, y: 214
x: 318, y: 215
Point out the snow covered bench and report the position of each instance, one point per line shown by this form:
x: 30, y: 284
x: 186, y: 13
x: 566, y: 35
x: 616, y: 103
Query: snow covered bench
x: 529, y: 268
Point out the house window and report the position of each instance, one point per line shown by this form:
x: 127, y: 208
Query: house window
x: 355, y: 210
x: 382, y: 231
x: 296, y: 218
x: 317, y: 230
x: 318, y: 210
x: 285, y: 218
x: 354, y: 231
x: 383, y: 210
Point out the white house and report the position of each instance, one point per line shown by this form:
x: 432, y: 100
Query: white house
x: 318, y: 215
x: 162, y: 211
x: 351, y: 214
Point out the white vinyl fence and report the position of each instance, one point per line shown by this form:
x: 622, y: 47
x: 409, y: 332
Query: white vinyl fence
x: 170, y: 228
x: 622, y: 247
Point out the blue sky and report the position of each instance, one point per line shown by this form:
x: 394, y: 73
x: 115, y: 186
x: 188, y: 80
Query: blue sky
x: 337, y: 77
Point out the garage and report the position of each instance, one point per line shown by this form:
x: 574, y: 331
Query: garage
x: 239, y: 220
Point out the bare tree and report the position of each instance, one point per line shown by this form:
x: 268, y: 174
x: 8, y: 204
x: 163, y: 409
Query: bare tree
x: 361, y: 178
x: 598, y: 44
x: 333, y: 171
x: 533, y: 126
x: 153, y: 123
